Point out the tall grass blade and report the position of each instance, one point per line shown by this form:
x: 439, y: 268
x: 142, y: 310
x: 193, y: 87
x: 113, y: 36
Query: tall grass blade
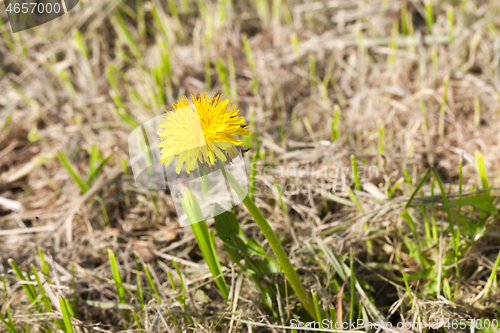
x: 481, y: 169
x: 10, y: 327
x: 355, y: 174
x: 116, y: 277
x: 93, y: 174
x: 443, y: 111
x: 124, y: 32
x: 355, y: 200
x: 477, y: 110
x: 28, y: 288
x: 448, y: 212
x: 253, y: 171
x: 45, y: 299
x: 351, y: 266
x: 43, y: 264
x: 182, y: 298
x: 222, y: 72
x: 451, y: 23
x: 65, y: 314
x: 335, y: 124
x: 76, y: 177
x: 151, y: 284
x: 420, y: 184
x: 492, y: 277
x: 136, y: 320
x: 317, y: 306
x: 312, y: 73
x: 200, y: 229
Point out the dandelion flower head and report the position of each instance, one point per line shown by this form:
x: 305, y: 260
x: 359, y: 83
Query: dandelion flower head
x: 196, y: 131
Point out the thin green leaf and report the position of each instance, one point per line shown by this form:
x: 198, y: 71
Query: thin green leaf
x: 66, y: 316
x: 65, y: 162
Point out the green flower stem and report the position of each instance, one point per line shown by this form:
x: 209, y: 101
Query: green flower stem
x: 268, y: 232
x: 280, y: 254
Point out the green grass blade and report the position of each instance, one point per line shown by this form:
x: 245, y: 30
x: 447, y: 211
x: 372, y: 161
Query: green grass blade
x: 10, y: 327
x: 451, y: 23
x: 335, y: 124
x: 151, y: 284
x: 94, y: 157
x: 435, y: 233
x: 355, y: 174
x: 4, y: 285
x: 66, y: 315
x: 407, y: 287
x: 125, y: 166
x: 420, y: 256
x: 392, y: 190
x: 248, y: 52
x: 429, y: 17
x: 381, y: 133
x: 477, y: 110
x: 232, y: 75
x: 140, y: 295
x: 253, y: 171
x: 420, y: 184
x: 73, y: 285
x: 448, y: 212
x: 312, y: 73
x: 355, y: 200
x: 69, y: 308
x: 208, y: 79
x: 481, y: 169
x: 317, y: 306
x: 492, y: 277
x: 103, y: 209
x: 171, y: 279
x: 222, y: 72
x: 443, y: 111
x: 200, y: 229
x: 459, y: 212
x: 123, y: 31
x: 93, y: 174
x: 158, y: 80
x: 141, y: 24
x: 117, y: 277
x: 427, y: 228
x: 333, y: 314
x: 43, y: 263
x: 295, y: 44
x: 351, y: 266
x: 330, y: 196
x: 282, y: 204
x: 136, y: 319
x: 45, y: 299
x: 29, y: 289
x: 65, y: 162
x: 182, y: 299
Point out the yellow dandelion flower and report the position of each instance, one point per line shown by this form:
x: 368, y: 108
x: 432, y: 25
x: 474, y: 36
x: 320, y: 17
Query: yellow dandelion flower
x: 197, y: 133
